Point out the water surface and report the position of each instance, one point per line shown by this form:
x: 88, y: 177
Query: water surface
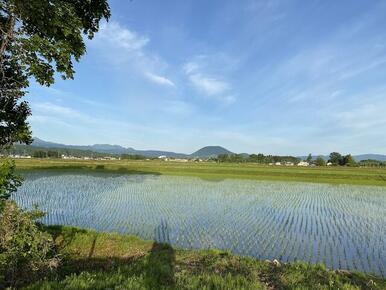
x: 342, y: 226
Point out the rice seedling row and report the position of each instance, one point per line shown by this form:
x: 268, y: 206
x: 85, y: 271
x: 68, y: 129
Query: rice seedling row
x: 342, y: 226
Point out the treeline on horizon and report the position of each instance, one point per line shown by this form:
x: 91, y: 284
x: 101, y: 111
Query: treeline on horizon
x: 256, y: 158
x: 41, y: 152
x: 335, y: 158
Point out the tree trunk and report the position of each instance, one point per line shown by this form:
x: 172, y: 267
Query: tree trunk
x: 8, y: 36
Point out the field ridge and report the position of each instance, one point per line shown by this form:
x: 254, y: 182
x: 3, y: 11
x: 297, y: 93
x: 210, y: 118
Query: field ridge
x: 93, y: 260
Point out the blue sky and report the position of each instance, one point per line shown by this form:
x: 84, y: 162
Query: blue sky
x: 276, y: 77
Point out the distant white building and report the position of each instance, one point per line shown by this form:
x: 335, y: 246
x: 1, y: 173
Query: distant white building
x: 180, y: 160
x: 289, y: 163
x: 329, y: 164
x: 303, y: 163
x: 110, y: 158
x: 69, y: 157
x: 278, y: 163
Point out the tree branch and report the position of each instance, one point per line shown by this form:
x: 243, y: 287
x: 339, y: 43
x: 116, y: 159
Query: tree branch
x: 8, y: 36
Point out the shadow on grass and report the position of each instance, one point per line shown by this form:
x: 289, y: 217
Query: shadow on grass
x: 157, y: 266
x: 161, y: 261
x: 160, y: 267
x: 62, y: 235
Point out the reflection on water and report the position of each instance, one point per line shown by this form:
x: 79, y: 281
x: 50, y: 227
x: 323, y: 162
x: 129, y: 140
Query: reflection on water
x: 342, y: 226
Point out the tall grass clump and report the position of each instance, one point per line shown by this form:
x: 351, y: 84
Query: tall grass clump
x: 26, y: 252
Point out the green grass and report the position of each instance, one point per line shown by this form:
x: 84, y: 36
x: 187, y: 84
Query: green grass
x: 92, y: 260
x: 218, y: 171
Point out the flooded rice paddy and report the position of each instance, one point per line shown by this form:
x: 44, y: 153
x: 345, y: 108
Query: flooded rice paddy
x: 342, y: 226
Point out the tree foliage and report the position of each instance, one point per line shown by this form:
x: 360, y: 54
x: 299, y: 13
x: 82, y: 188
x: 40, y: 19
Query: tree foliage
x: 44, y: 36
x: 133, y: 157
x: 13, y: 111
x: 372, y: 163
x: 320, y: 161
x: 256, y: 158
x: 37, y: 39
x: 9, y: 181
x: 348, y: 160
x: 336, y: 158
x: 25, y: 250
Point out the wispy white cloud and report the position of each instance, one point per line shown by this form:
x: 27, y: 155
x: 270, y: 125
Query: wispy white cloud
x: 160, y: 80
x: 323, y: 71
x: 207, y: 84
x: 54, y: 109
x: 190, y: 67
x: 363, y: 68
x: 79, y: 118
x: 364, y: 117
x: 46, y: 121
x: 126, y: 48
x: 119, y: 36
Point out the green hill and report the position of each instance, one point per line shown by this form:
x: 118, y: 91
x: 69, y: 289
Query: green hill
x: 210, y: 151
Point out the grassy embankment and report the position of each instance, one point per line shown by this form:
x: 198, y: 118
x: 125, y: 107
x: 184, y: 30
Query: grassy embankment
x: 207, y: 170
x: 94, y: 260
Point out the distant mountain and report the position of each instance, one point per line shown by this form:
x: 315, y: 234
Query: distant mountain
x: 210, y: 151
x: 378, y: 157
x: 205, y: 152
x: 45, y: 144
x: 107, y: 148
x: 113, y: 149
x: 21, y: 149
x: 102, y: 148
x: 156, y: 153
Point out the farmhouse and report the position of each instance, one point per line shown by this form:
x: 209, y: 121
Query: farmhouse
x: 180, y: 160
x: 303, y: 163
